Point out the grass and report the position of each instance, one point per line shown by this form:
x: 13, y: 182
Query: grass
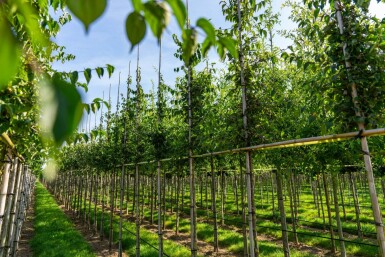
x: 310, y: 223
x: 55, y: 235
x: 231, y: 240
x: 129, y: 240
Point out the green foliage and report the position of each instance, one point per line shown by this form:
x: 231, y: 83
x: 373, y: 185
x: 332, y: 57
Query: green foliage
x: 135, y: 28
x: 9, y: 53
x: 87, y: 11
x: 63, y: 108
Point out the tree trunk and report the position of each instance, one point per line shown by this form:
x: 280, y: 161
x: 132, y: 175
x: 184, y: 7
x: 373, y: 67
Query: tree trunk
x: 214, y: 204
x: 337, y: 211
x: 281, y: 205
x: 160, y: 212
x: 364, y: 145
x: 329, y: 213
x: 121, y: 211
x: 112, y: 201
x: 244, y: 226
x: 356, y: 205
x: 137, y: 213
x: 292, y: 199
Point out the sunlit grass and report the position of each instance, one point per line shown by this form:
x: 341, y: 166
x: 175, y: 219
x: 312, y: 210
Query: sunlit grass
x: 55, y: 235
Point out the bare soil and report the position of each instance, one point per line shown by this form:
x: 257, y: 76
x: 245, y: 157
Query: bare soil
x: 27, y: 231
x: 100, y: 247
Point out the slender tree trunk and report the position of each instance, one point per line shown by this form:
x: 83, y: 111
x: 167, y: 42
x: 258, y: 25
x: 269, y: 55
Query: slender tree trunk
x: 152, y: 200
x: 321, y: 201
x: 121, y: 211
x: 112, y: 201
x: 337, y: 211
x: 356, y: 205
x: 281, y: 205
x: 103, y: 190
x: 236, y: 191
x: 292, y: 212
x: 329, y: 213
x: 364, y: 144
x: 222, y: 198
x: 272, y: 196
x: 383, y: 188
x: 160, y: 212
x: 137, y: 213
x: 214, y: 204
x: 342, y: 199
x: 244, y: 220
x: 177, y: 206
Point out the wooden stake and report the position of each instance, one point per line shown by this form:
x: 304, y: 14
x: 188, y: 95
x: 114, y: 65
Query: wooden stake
x: 364, y: 145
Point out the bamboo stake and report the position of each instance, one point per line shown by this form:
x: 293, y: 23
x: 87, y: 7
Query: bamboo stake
x: 364, y: 145
x: 193, y: 218
x: 337, y: 212
x: 4, y: 188
x: 137, y: 213
x: 329, y: 212
x: 249, y: 178
x: 14, y: 206
x: 214, y: 204
x: 281, y: 205
x: 8, y: 205
x: 159, y: 177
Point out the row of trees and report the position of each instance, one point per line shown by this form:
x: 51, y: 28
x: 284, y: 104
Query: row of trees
x: 329, y: 81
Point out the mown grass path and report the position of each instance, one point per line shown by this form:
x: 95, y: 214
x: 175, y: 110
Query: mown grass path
x: 55, y: 235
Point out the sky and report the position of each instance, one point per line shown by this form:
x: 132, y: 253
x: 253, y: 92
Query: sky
x: 106, y: 43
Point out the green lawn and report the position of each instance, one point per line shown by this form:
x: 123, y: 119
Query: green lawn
x: 55, y: 234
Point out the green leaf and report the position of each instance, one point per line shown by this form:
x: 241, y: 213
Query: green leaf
x: 85, y: 137
x: 87, y: 75
x: 100, y: 71
x: 316, y: 12
x: 135, y: 28
x: 95, y: 106
x: 137, y: 4
x: 83, y: 85
x: 87, y: 108
x: 229, y: 44
x: 208, y: 28
x: 101, y: 101
x: 87, y: 11
x: 179, y: 10
x: 74, y: 76
x: 189, y: 44
x: 157, y: 17
x: 206, y: 46
x: 110, y: 70
x: 9, y: 53
x: 62, y: 108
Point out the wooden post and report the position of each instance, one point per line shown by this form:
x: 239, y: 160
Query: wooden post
x: 249, y: 175
x: 329, y: 212
x: 4, y: 187
x: 121, y: 211
x: 137, y: 213
x: 8, y: 205
x: 281, y: 205
x: 337, y: 211
x: 160, y: 212
x: 214, y: 204
x: 364, y: 145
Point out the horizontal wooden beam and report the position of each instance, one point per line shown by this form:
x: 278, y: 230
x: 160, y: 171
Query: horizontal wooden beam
x: 283, y: 144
